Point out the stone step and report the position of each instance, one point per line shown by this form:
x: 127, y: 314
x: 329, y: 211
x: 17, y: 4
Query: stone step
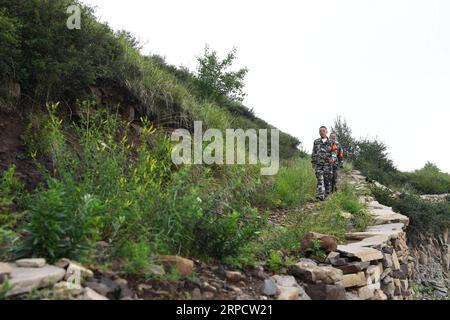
x: 361, y: 252
x: 24, y: 280
x: 382, y: 232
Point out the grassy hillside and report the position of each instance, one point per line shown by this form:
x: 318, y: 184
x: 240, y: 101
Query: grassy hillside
x: 88, y: 156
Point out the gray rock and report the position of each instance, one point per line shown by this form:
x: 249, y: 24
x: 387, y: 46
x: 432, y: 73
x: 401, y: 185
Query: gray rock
x: 66, y: 290
x: 31, y: 263
x: 388, y: 288
x: 325, y: 292
x: 76, y: 269
x: 156, y: 270
x: 316, y: 274
x: 387, y: 260
x: 386, y: 272
x: 353, y: 267
x: 207, y: 287
x: 196, y: 294
x: 105, y: 287
x: 90, y: 294
x: 285, y: 281
x: 332, y: 257
x: 308, y: 262
x: 5, y: 269
x: 365, y: 293
x: 259, y: 273
x: 270, y: 287
x: 23, y: 280
x: 351, y: 296
x: 387, y: 250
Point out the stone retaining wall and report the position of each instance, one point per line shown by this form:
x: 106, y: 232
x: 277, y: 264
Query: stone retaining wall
x: 375, y: 264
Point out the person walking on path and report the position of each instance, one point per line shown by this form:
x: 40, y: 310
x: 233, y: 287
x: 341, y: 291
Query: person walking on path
x: 336, y: 147
x: 322, y: 160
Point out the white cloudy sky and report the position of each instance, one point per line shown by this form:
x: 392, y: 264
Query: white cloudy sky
x: 384, y: 65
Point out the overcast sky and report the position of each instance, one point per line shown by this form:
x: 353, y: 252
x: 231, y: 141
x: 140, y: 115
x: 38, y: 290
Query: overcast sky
x: 383, y: 65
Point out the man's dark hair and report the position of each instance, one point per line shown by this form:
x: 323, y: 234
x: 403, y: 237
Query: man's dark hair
x: 323, y: 127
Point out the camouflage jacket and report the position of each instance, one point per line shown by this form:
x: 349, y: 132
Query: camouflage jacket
x: 322, y: 153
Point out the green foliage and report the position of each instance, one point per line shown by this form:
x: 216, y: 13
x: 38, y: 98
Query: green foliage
x: 425, y: 216
x: 274, y: 261
x: 294, y: 185
x: 374, y: 162
x: 429, y: 180
x: 225, y: 235
x: 213, y: 79
x: 10, y: 186
x: 347, y: 200
x: 62, y: 224
x: 9, y: 45
x: 52, y: 60
x: 101, y: 186
x: 4, y: 288
x: 136, y: 257
x: 345, y: 138
x: 51, y: 63
x: 326, y: 219
x: 316, y: 250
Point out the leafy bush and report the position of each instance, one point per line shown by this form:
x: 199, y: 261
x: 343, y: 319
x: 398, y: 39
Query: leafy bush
x: 136, y: 256
x: 374, y: 162
x: 429, y: 180
x: 62, y: 224
x: 225, y: 235
x: 52, y: 60
x: 102, y: 186
x: 213, y: 79
x: 9, y: 45
x: 274, y: 262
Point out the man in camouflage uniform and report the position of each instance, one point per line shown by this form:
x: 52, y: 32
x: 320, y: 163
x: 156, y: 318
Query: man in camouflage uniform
x: 322, y: 159
x: 336, y: 148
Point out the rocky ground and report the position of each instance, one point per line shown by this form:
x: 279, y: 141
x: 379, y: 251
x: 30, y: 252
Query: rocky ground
x: 372, y: 265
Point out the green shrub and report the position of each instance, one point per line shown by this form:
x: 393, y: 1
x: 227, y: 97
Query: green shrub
x: 274, y: 262
x: 225, y: 235
x: 372, y: 159
x: 63, y: 224
x: 136, y: 257
x: 140, y: 197
x: 9, y: 45
x: 429, y: 180
x: 213, y: 79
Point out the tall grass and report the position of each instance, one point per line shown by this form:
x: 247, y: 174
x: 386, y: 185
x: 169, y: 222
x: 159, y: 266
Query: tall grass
x: 294, y: 185
x: 327, y: 218
x: 105, y: 185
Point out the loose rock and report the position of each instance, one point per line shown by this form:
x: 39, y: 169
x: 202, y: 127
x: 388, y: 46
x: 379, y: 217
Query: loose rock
x: 31, y: 263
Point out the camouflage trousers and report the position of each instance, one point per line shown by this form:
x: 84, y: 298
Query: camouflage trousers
x: 324, y: 175
x: 335, y: 179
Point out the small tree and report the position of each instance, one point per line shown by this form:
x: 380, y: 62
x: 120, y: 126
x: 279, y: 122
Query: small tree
x: 213, y: 79
x: 344, y: 134
x: 373, y: 160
